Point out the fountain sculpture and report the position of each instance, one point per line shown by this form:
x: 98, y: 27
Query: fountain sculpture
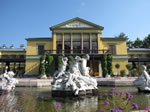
x: 7, y: 82
x: 74, y: 81
x: 143, y: 82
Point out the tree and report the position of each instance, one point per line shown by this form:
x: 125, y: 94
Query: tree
x: 109, y: 64
x: 59, y: 61
x: 49, y: 65
x: 70, y: 59
x: 138, y: 43
x: 130, y: 44
x: 104, y: 65
x: 122, y: 35
x: 146, y: 42
x: 42, y: 66
x: 117, y: 67
x: 129, y: 67
x: 148, y: 68
x: 134, y: 72
x: 122, y: 73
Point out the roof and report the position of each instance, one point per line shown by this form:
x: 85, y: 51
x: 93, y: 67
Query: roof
x: 138, y: 49
x: 12, y: 49
x: 113, y: 39
x: 77, y: 19
x: 39, y: 38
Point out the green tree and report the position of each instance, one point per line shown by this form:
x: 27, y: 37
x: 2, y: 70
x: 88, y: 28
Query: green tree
x: 130, y: 44
x: 70, y: 59
x: 117, y: 67
x: 122, y: 35
x: 122, y: 73
x: 109, y: 64
x: 138, y: 43
x: 104, y: 65
x: 148, y: 68
x: 129, y: 67
x: 42, y: 66
x: 59, y: 61
x: 134, y: 72
x: 146, y: 42
x: 49, y: 65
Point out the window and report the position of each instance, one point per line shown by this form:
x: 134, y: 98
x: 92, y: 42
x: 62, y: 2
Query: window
x: 67, y: 46
x: 86, y: 46
x: 40, y: 49
x: 112, y: 49
x: 59, y: 46
x: 76, y: 47
x: 94, y: 47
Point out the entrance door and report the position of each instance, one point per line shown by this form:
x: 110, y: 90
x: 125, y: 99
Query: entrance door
x: 94, y: 67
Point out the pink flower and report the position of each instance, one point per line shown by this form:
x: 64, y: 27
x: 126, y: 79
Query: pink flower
x: 147, y: 108
x: 57, y: 105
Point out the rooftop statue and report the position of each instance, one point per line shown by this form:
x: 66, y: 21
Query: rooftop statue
x: 143, y: 82
x: 75, y: 79
x: 7, y: 82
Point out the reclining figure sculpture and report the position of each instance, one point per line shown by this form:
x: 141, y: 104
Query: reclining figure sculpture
x: 7, y: 82
x: 143, y: 82
x: 76, y: 78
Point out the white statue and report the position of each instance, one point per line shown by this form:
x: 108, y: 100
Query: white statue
x: 84, y: 68
x: 7, y: 82
x: 44, y: 62
x: 143, y: 82
x: 146, y: 75
x: 62, y: 69
x: 77, y: 77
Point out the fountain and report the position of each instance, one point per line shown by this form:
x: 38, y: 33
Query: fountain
x: 7, y: 82
x: 143, y: 82
x: 74, y: 81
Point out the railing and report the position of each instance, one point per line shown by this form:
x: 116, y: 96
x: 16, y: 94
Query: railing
x: 140, y: 59
x: 76, y: 51
x: 13, y: 57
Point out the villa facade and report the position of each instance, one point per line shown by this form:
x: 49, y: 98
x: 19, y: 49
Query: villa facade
x: 76, y: 37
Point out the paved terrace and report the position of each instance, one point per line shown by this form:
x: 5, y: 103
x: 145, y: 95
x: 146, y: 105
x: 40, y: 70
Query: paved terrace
x: 118, y: 81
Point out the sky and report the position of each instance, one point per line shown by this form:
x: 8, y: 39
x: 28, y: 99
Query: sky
x: 20, y: 19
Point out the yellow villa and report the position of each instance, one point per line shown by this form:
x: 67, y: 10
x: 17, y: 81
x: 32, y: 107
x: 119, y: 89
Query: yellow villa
x: 71, y: 38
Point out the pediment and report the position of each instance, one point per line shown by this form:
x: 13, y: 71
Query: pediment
x: 76, y: 23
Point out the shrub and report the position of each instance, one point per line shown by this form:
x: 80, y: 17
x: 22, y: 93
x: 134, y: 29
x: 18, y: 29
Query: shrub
x: 59, y: 61
x: 117, y: 67
x: 42, y: 66
x: 122, y: 73
x: 148, y: 71
x: 109, y: 64
x: 49, y: 65
x: 70, y: 58
x: 148, y: 68
x: 129, y: 67
x: 134, y: 72
x: 104, y: 65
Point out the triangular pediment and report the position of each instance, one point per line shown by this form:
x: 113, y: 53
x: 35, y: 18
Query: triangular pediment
x: 76, y: 23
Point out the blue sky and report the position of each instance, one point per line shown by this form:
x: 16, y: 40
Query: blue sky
x: 20, y: 19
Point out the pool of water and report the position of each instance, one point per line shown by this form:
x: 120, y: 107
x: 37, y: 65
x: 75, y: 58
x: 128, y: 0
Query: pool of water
x: 39, y: 100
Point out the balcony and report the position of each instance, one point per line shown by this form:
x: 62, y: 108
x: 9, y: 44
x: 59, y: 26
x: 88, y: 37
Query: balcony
x: 76, y: 52
x: 139, y: 59
x: 12, y: 58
